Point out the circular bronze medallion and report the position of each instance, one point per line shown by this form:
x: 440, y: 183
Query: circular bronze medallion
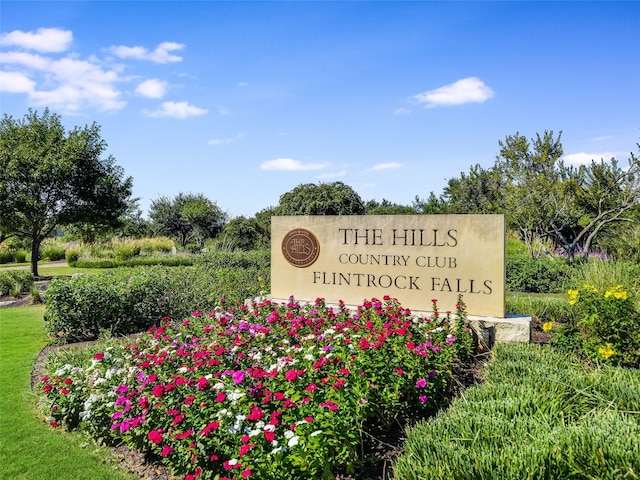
x: 300, y: 247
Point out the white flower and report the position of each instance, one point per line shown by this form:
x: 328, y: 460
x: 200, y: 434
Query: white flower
x: 316, y: 433
x: 183, y: 369
x: 270, y: 428
x: 293, y: 441
x: 233, y: 461
x: 218, y: 386
x: 289, y: 434
x: 309, y: 357
x: 276, y: 450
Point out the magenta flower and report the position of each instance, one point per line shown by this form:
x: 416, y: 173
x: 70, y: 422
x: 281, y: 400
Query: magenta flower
x: 238, y: 377
x: 421, y: 383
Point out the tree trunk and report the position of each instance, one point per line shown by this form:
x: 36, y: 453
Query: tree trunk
x: 35, y: 252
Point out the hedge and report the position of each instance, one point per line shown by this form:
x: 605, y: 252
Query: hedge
x: 130, y: 300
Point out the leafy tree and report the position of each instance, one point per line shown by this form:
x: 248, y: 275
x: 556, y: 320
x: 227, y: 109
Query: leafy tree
x: 242, y: 233
x: 49, y: 177
x: 386, y: 207
x: 479, y: 191
x: 322, y: 199
x: 130, y: 224
x: 431, y: 206
x: 571, y: 206
x: 187, y: 217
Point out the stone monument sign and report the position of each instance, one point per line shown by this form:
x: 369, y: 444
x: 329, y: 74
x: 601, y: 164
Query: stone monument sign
x: 414, y: 258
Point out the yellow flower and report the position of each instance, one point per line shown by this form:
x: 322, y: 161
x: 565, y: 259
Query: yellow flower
x: 606, y: 351
x: 547, y: 326
x: 573, y: 296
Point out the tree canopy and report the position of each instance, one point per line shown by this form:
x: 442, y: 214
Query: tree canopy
x: 545, y: 199
x: 334, y: 198
x: 50, y: 177
x: 187, y: 217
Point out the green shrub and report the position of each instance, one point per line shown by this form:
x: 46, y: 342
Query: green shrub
x: 237, y: 259
x: 6, y: 255
x: 168, y: 261
x: 72, y: 255
x: 537, y: 274
x: 20, y: 256
x: 15, y: 282
x: 124, y: 300
x: 606, y: 329
x: 52, y: 251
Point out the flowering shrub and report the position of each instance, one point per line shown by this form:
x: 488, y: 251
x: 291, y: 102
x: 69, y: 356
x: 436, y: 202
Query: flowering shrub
x: 270, y: 391
x: 607, y: 327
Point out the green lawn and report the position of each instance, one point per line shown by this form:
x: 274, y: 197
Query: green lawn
x: 29, y: 448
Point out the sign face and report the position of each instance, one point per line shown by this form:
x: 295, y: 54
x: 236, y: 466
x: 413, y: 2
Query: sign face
x: 414, y: 258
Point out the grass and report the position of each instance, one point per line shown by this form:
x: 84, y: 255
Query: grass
x: 29, y: 448
x: 538, y: 415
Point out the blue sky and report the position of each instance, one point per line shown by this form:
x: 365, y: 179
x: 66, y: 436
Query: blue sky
x: 243, y: 101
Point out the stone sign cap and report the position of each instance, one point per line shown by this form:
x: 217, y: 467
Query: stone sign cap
x: 414, y: 258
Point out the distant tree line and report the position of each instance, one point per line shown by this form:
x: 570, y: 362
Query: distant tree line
x: 53, y: 180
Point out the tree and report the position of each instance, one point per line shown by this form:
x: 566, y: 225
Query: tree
x: 570, y: 206
x: 386, y: 207
x: 187, y: 217
x: 323, y: 199
x: 479, y: 191
x: 49, y: 177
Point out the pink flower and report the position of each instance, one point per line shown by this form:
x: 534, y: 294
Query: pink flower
x: 221, y: 397
x: 312, y: 387
x: 238, y: 376
x: 246, y: 473
x: 155, y: 436
x: 203, y: 384
x: 166, y: 450
x: 421, y: 383
x: 291, y: 375
x: 98, y: 356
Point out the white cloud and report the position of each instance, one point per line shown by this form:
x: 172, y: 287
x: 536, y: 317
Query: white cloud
x: 386, y: 166
x: 226, y: 141
x: 583, y: 158
x: 291, y: 165
x: 599, y: 139
x: 467, y: 90
x: 66, y: 84
x: 28, y: 60
x: 243, y: 84
x: 16, y: 82
x: 223, y: 110
x: 162, y: 53
x: 177, y: 110
x: 402, y: 111
x: 152, y: 88
x: 42, y: 40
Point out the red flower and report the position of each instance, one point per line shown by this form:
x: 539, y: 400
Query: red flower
x: 99, y: 356
x: 269, y: 435
x: 155, y: 436
x: 158, y: 390
x: 221, y: 397
x: 166, y: 450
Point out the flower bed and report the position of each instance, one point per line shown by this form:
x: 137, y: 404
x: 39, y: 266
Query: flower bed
x: 269, y: 391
